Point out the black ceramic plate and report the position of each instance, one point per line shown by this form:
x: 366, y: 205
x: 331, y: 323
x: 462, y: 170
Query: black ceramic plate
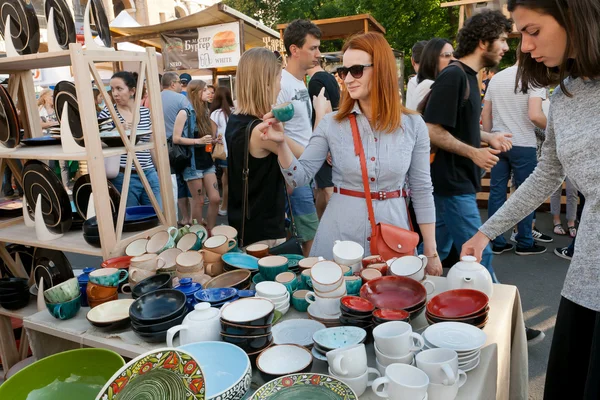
x: 41, y: 141
x: 57, y: 258
x: 24, y: 29
x: 25, y: 254
x: 64, y: 25
x: 81, y: 195
x: 9, y: 123
x: 66, y: 95
x: 101, y: 22
x: 38, y: 179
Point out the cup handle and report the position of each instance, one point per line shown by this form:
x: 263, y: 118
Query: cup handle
x: 231, y: 244
x: 423, y: 260
x: 418, y: 342
x: 373, y: 371
x: 172, y: 332
x: 172, y: 231
x: 383, y: 381
x: 59, y: 313
x: 462, y: 378
x: 126, y: 288
x: 337, y: 365
x: 428, y: 282
x: 450, y: 374
x: 307, y: 297
x: 123, y: 277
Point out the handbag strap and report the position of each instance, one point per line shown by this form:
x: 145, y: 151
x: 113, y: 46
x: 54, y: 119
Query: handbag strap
x: 245, y: 175
x: 294, y: 231
x: 360, y: 152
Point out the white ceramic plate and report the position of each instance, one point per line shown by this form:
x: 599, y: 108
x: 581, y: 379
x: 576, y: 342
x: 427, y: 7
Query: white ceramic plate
x: 471, y: 366
x: 316, y: 312
x: 284, y: 359
x: 468, y: 358
x: 245, y: 310
x: 271, y: 290
x: 296, y: 331
x: 283, y: 309
x: 115, y: 310
x: 456, y: 336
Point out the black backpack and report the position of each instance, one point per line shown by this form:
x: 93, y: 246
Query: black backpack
x: 180, y: 155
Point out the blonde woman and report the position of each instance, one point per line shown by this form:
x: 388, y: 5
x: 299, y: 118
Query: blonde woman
x: 201, y: 174
x: 257, y: 86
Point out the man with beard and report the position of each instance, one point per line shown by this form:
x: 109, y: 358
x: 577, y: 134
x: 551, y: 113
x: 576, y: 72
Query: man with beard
x: 455, y: 133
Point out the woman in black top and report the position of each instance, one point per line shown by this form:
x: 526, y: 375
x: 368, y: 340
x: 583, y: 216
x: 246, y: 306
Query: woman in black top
x: 258, y: 84
x: 201, y: 173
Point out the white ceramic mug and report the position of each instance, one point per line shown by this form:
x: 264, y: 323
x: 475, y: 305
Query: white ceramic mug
x: 444, y: 392
x: 441, y: 365
x: 326, y: 276
x: 409, y: 266
x: 149, y: 262
x: 396, y: 338
x: 402, y: 382
x: 328, y: 306
x: 431, y: 285
x: 219, y: 244
x: 348, y: 361
x: 360, y: 383
x: 347, y: 252
x: 386, y: 360
x: 340, y: 291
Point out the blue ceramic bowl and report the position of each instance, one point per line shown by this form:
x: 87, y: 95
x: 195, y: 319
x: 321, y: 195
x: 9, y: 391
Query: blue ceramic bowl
x: 240, y: 261
x: 246, y: 293
x: 225, y: 366
x: 64, y: 310
x: 215, y: 295
x: 341, y: 336
x: 284, y: 112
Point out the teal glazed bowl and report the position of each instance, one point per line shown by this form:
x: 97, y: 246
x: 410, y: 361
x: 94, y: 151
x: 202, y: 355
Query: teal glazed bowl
x: 271, y: 266
x: 284, y: 112
x: 65, y: 310
x: 353, y: 284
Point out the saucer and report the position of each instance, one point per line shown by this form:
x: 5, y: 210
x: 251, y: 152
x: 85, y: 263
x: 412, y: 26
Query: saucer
x: 314, y: 311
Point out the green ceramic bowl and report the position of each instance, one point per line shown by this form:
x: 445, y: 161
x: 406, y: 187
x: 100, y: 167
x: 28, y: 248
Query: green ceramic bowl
x: 65, y: 310
x: 284, y: 112
x: 94, y: 366
x: 299, y: 300
x: 353, y: 284
x: 271, y: 266
x: 63, y: 292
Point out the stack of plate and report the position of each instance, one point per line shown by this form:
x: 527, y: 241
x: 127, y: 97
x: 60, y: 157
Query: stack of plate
x: 397, y: 293
x: 217, y: 297
x: 460, y: 305
x: 316, y: 314
x: 465, y: 339
x: 334, y: 338
x: 277, y: 293
x: 154, y: 313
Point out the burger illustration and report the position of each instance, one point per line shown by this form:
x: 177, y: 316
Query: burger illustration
x: 224, y: 42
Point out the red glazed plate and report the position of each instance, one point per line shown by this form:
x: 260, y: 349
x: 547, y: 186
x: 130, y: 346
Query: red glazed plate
x: 396, y: 292
x: 457, y: 303
x: 117, y: 262
x: 391, y: 314
x: 359, y: 304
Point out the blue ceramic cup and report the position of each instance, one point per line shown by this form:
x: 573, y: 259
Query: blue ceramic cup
x: 306, y: 279
x: 108, y: 276
x: 353, y: 284
x: 284, y: 111
x: 299, y: 300
x: 64, y: 310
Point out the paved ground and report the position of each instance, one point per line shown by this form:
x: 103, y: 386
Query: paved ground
x: 539, y: 279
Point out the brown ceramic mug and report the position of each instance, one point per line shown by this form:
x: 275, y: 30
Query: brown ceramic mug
x: 258, y: 250
x: 214, y: 269
x: 95, y: 291
x: 97, y: 302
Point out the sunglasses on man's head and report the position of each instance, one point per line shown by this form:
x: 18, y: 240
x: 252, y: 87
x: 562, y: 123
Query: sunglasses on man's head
x: 356, y: 71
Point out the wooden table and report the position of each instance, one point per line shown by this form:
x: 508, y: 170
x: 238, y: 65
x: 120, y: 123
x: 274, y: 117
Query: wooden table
x: 502, y: 373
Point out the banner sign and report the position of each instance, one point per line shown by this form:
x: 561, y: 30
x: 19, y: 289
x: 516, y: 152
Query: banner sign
x: 203, y: 48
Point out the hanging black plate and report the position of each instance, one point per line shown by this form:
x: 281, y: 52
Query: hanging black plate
x: 81, y: 195
x: 38, y: 179
x: 57, y: 258
x: 9, y: 123
x: 64, y: 25
x: 66, y: 95
x: 24, y: 29
x: 101, y: 22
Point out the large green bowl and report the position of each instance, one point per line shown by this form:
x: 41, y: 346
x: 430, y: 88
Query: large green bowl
x: 93, y: 365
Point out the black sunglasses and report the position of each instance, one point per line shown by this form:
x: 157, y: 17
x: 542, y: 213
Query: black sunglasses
x: 356, y: 71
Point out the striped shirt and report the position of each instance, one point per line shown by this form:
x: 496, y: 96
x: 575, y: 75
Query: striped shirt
x: 510, y: 109
x: 145, y: 123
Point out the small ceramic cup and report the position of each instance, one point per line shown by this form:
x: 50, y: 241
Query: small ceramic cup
x: 136, y: 248
x: 368, y: 274
x: 136, y: 275
x: 347, y: 252
x: 346, y: 270
x: 190, y: 260
x: 381, y: 267
x: 258, y: 250
x: 396, y: 339
x: 219, y: 244
x: 329, y: 306
x: 271, y: 266
x: 64, y: 310
x: 189, y: 241
x: 360, y: 383
x: 214, y: 268
x: 181, y: 232
x: 162, y: 241
x: 350, y: 361
x: 337, y: 292
x: 305, y: 279
x: 63, y: 292
x: 402, y: 382
x: 386, y: 360
x: 441, y: 365
x: 308, y: 262
x: 148, y: 261
x: 409, y: 266
x: 108, y: 276
x: 95, y: 291
x: 326, y: 276
x: 299, y: 300
x: 353, y: 284
x: 283, y: 112
x: 209, y: 256
x: 289, y: 280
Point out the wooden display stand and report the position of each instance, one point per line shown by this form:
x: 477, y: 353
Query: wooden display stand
x: 21, y: 89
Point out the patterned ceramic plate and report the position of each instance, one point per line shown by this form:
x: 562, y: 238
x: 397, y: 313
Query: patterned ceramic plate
x: 160, y: 374
x: 305, y: 386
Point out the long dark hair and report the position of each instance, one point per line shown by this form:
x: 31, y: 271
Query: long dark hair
x: 429, y: 67
x: 222, y: 101
x: 130, y: 79
x: 583, y: 38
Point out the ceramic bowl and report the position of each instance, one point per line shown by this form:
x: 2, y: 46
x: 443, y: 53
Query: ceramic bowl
x: 326, y: 276
x: 95, y: 291
x: 13, y: 283
x: 225, y: 366
x: 289, y: 280
x: 249, y: 311
x: 271, y: 266
x: 298, y: 300
x: 63, y: 292
x: 353, y: 284
x: 369, y: 274
x: 383, y: 315
x: 111, y: 314
x: 271, y: 290
x: 243, y: 330
x: 284, y: 112
x: 258, y: 278
x: 17, y: 303
x: 158, y: 306
x: 155, y: 282
x: 356, y: 306
x: 64, y: 310
x: 395, y: 292
x: 136, y: 248
x: 238, y: 279
x: 350, y: 321
x: 233, y: 261
x: 159, y: 327
x: 169, y: 256
x: 334, y: 338
x: 283, y: 359
x: 476, y: 319
x: 335, y: 293
x: 215, y: 295
x: 457, y: 303
x: 308, y: 262
x: 249, y: 344
x: 246, y: 293
x: 117, y: 262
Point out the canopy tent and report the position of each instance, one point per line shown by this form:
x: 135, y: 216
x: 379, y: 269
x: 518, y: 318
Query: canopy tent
x: 342, y: 27
x: 252, y: 32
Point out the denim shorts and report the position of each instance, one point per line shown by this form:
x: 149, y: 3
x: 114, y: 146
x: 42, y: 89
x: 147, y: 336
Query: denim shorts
x: 305, y: 213
x: 190, y: 174
x: 182, y: 189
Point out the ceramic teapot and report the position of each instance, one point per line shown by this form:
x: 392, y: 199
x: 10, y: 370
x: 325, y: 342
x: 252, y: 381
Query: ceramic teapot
x: 469, y: 274
x: 201, y: 325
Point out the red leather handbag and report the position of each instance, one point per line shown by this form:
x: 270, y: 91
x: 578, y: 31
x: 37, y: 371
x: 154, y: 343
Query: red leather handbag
x: 387, y: 240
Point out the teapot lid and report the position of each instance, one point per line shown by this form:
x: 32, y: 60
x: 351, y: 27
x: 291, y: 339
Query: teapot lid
x: 203, y: 312
x: 187, y: 286
x: 469, y: 259
x: 84, y: 277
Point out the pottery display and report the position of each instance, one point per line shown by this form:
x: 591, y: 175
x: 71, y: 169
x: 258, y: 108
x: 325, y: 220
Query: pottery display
x: 284, y: 359
x: 82, y: 189
x: 110, y: 314
x: 238, y: 279
x: 469, y: 274
x: 305, y: 386
x: 25, y: 29
x: 271, y: 266
x: 14, y: 293
x: 200, y: 325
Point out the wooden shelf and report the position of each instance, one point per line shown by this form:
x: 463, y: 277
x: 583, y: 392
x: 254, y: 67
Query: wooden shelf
x: 21, y: 313
x: 55, y: 152
x: 70, y: 242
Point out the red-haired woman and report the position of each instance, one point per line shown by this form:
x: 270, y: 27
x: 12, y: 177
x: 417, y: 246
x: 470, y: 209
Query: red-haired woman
x: 395, y: 142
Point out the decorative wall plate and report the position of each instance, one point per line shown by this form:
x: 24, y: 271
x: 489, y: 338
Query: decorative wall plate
x: 82, y: 189
x: 9, y: 123
x: 24, y: 29
x: 38, y: 178
x: 65, y: 94
x: 64, y: 25
x: 56, y: 258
